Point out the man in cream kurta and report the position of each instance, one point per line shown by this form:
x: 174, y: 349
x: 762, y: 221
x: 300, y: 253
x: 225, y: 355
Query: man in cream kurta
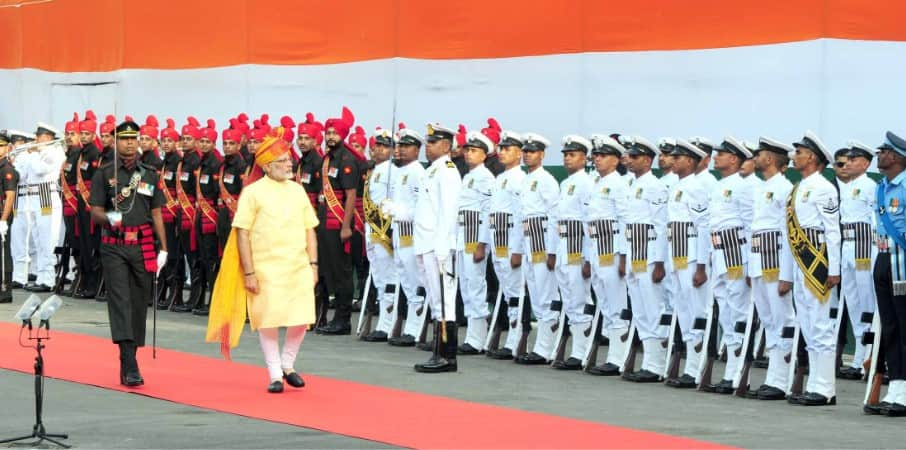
x: 276, y: 267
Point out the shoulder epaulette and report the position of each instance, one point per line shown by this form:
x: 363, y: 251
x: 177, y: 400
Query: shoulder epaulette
x: 451, y: 165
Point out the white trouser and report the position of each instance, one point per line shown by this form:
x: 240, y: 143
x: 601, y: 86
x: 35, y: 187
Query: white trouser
x: 858, y: 289
x: 427, y: 264
x: 647, y: 301
x: 541, y: 283
x: 775, y: 312
x: 610, y: 289
x: 733, y: 299
x: 43, y: 231
x: 574, y: 290
x: 689, y: 302
x: 473, y: 285
x: 819, y: 332
x: 276, y: 360
x: 411, y: 278
x: 511, y: 286
x: 384, y: 275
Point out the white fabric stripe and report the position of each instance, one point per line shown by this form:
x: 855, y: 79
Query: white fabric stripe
x: 778, y: 90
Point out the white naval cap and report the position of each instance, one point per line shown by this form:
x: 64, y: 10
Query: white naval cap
x: 477, y: 139
x: 407, y: 136
x: 383, y: 136
x: 45, y: 128
x: 732, y: 145
x: 811, y: 142
x: 857, y: 148
x: 437, y: 132
x: 604, y: 144
x: 510, y: 138
x: 703, y: 143
x: 641, y: 146
x: 773, y: 145
x: 666, y: 144
x: 685, y: 148
x: 533, y: 142
x: 574, y: 142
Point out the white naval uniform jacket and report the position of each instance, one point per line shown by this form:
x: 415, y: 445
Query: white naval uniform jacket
x: 378, y: 190
x: 816, y: 206
x: 537, y: 198
x: 475, y: 196
x: 647, y: 204
x: 769, y: 214
x: 688, y: 202
x: 607, y: 202
x: 435, y: 209
x: 730, y: 207
x: 505, y: 197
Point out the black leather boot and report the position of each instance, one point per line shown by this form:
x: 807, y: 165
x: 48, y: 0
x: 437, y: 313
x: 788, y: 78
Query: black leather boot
x: 129, y: 374
x: 438, y: 362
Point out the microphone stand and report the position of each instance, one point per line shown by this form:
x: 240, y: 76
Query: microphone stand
x: 38, y: 431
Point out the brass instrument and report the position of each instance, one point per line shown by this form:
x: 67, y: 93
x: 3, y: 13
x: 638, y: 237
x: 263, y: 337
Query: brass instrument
x: 378, y: 221
x: 41, y: 146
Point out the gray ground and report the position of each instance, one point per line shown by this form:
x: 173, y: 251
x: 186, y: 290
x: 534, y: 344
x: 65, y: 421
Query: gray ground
x: 98, y: 418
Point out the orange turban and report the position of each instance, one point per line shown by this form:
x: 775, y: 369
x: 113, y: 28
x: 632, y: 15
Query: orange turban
x: 271, y: 148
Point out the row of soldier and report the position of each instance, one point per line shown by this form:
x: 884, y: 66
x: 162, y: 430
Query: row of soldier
x: 701, y: 252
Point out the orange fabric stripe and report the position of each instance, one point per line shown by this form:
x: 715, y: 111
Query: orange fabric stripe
x: 103, y: 35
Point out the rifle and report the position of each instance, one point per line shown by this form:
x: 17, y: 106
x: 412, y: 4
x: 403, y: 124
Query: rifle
x: 671, y: 365
x: 874, y: 366
x: 709, y: 345
x: 561, y: 333
x: 362, y: 328
x: 397, y: 310
x: 741, y: 378
x: 492, y: 342
x: 591, y: 356
x: 61, y: 267
x: 634, y: 343
x: 525, y: 314
x: 840, y: 314
x: 797, y: 367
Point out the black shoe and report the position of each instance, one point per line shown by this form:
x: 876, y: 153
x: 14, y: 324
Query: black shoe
x: 895, y: 410
x: 425, y: 346
x: 181, y: 308
x: 275, y: 387
x: 375, y: 336
x: 437, y: 365
x: 16, y: 285
x: 41, y: 288
x: 30, y: 286
x: 850, y: 373
x: 336, y: 329
x: 203, y: 311
x: 766, y: 392
x: 570, y: 364
x: 163, y: 305
x: 794, y: 399
x: 760, y: 363
x: 685, y: 381
x: 723, y: 387
x: 815, y: 399
x: 84, y: 294
x: 532, y: 359
x: 643, y: 376
x: 6, y: 299
x: 605, y: 370
x: 294, y: 380
x: 876, y: 409
x: 405, y: 340
x: 467, y: 349
x: 501, y: 353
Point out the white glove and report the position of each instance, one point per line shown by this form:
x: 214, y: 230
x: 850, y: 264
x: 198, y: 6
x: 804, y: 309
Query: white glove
x: 387, y: 207
x: 115, y: 218
x: 161, y: 260
x: 4, y: 228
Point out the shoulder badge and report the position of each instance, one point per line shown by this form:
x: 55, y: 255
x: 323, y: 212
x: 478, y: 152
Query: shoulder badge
x: 451, y: 165
x: 679, y: 195
x: 503, y: 186
x: 769, y: 196
x: 638, y: 193
x: 9, y: 176
x: 572, y: 188
x: 471, y: 183
x: 534, y: 186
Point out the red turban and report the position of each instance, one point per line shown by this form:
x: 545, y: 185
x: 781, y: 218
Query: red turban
x: 109, y: 124
x: 90, y: 123
x: 232, y: 135
x: 210, y: 133
x: 170, y: 131
x: 191, y: 128
x: 341, y: 124
x: 73, y: 127
x: 312, y: 128
x: 150, y: 128
x: 492, y: 131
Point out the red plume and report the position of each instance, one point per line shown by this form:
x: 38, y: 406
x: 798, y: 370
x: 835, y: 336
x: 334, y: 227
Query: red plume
x: 129, y: 118
x: 402, y: 126
x: 359, y: 130
x: 89, y: 115
x: 243, y: 117
x: 492, y: 123
x: 75, y: 117
x: 287, y: 122
x: 110, y: 119
x: 256, y: 124
x: 309, y: 118
x: 347, y: 117
x: 152, y: 121
x: 211, y: 124
x: 234, y: 124
x: 264, y: 119
x: 462, y: 129
x: 171, y: 123
x: 193, y: 121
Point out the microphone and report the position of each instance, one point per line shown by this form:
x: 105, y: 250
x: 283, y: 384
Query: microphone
x: 47, y: 310
x: 28, y: 309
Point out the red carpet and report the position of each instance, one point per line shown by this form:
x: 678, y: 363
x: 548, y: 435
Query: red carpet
x: 395, y: 417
